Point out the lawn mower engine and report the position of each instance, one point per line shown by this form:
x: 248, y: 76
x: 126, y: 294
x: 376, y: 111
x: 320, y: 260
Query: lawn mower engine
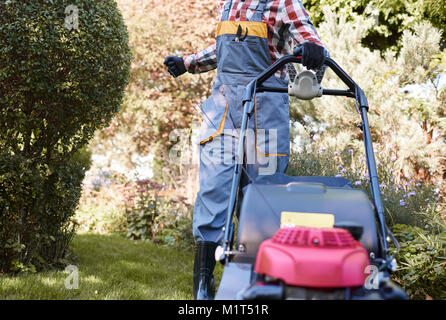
x: 310, y: 263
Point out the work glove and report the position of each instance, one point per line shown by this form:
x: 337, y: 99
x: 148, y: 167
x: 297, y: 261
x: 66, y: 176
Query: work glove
x: 175, y: 65
x: 313, y: 55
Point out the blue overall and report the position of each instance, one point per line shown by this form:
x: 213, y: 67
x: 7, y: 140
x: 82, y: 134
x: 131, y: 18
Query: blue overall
x: 267, y: 142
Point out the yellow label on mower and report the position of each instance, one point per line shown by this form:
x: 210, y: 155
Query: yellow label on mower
x: 305, y: 219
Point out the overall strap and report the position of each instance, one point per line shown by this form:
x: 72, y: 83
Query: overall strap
x: 226, y: 10
x: 257, y: 16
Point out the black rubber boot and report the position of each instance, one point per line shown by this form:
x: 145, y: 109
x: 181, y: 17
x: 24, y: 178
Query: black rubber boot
x: 204, y: 265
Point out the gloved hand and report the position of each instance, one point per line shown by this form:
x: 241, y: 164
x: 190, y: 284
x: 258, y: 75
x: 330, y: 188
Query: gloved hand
x: 313, y: 55
x: 175, y: 65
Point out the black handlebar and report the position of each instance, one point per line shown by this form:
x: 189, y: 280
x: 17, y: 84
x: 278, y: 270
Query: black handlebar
x: 354, y: 91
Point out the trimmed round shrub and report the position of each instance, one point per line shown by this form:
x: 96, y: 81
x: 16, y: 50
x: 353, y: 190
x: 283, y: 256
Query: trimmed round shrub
x: 63, y: 70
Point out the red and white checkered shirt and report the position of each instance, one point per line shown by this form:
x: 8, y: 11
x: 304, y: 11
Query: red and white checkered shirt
x: 287, y: 22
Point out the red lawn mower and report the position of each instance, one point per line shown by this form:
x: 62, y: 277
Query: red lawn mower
x: 306, y: 237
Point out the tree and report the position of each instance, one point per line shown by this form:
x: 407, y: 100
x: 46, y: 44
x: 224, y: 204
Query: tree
x: 391, y: 17
x: 156, y: 104
x: 63, y: 70
x: 406, y: 127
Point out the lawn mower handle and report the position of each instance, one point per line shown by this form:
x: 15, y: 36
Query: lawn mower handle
x: 354, y: 90
x: 362, y: 106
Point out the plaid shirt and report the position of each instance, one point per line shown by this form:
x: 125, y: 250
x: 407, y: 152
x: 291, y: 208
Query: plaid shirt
x: 287, y: 22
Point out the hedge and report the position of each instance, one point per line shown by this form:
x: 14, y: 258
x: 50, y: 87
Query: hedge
x: 63, y: 70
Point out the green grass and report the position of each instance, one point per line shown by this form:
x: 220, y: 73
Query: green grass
x: 112, y: 267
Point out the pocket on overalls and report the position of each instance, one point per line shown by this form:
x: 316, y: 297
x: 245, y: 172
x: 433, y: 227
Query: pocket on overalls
x: 237, y: 57
x: 271, y: 117
x: 215, y: 110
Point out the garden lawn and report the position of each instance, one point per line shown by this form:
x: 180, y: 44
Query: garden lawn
x: 111, y: 267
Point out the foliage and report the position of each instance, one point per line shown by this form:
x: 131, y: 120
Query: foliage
x: 408, y: 124
x: 422, y: 258
x: 390, y: 17
x: 37, y: 205
x: 140, y: 209
x: 58, y: 85
x: 402, y: 199
x: 156, y: 215
x: 156, y: 104
x: 142, y: 217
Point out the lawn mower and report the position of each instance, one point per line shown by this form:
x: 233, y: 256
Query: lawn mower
x: 306, y: 237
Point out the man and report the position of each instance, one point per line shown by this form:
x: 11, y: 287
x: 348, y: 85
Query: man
x: 251, y: 35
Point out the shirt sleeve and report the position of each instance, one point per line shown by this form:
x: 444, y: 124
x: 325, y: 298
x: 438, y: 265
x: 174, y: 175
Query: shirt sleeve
x: 202, y: 61
x: 301, y: 28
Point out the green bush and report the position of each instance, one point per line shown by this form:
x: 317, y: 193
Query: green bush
x: 156, y: 216
x: 142, y: 217
x: 390, y: 17
x: 422, y: 257
x: 402, y: 198
x: 59, y: 82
